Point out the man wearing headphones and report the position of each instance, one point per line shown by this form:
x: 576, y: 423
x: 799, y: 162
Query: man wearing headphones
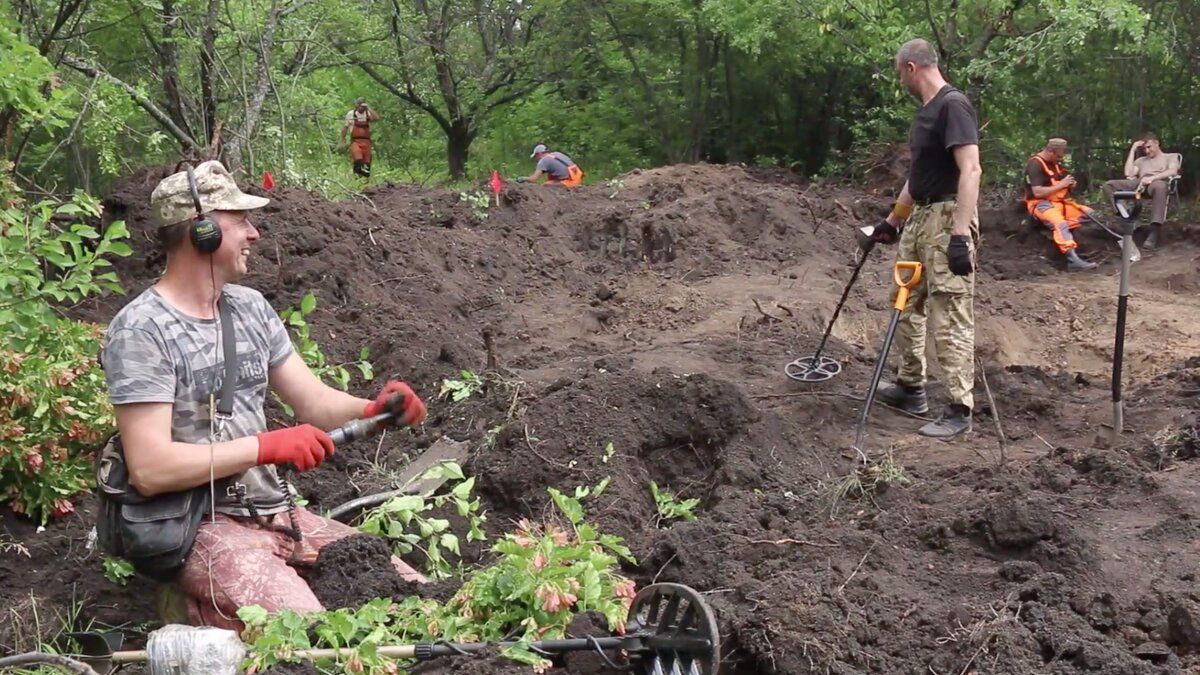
x: 164, y: 361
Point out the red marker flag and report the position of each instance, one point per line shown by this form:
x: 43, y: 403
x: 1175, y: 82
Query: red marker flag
x: 268, y: 182
x: 497, y: 186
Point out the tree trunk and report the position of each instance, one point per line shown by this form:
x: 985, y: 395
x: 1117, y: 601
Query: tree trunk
x: 262, y: 84
x: 458, y: 147
x: 208, y: 50
x: 733, y: 152
x: 169, y: 62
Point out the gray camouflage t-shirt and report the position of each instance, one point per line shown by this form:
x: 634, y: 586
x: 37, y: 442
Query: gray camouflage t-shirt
x: 153, y: 353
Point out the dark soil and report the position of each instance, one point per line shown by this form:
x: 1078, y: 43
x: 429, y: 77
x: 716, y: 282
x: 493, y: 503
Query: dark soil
x: 658, y: 316
x: 354, y: 570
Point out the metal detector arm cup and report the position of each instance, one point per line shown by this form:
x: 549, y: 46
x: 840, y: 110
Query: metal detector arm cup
x: 904, y: 286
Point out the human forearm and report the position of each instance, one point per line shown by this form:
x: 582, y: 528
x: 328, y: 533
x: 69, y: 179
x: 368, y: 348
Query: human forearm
x: 968, y: 199
x: 905, y: 203
x: 182, y: 466
x: 1043, y: 191
x: 329, y: 408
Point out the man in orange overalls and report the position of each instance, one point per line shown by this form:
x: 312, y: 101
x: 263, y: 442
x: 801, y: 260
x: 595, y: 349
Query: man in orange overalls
x: 358, y: 123
x: 1048, y: 198
x: 559, y: 169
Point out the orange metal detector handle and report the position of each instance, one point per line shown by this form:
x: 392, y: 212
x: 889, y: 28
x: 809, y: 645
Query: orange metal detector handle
x: 905, y: 286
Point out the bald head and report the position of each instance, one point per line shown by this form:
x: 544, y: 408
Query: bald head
x: 917, y: 52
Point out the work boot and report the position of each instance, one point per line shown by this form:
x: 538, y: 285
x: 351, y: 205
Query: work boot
x: 954, y: 421
x: 909, y: 398
x: 1077, y: 264
x: 1152, y: 238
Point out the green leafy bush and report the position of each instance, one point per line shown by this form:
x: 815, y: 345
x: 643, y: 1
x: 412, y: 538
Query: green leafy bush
x: 53, y: 407
x: 53, y: 414
x: 543, y: 575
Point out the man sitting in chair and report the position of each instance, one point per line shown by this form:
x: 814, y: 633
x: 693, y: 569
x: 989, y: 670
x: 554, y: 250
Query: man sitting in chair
x: 1148, y: 170
x: 1048, y: 199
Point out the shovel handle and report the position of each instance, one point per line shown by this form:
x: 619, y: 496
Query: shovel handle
x: 905, y: 285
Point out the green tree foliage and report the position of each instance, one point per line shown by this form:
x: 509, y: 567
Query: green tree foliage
x: 468, y: 87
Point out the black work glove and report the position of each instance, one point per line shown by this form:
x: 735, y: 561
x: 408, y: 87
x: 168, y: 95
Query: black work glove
x: 885, y: 234
x: 959, y: 254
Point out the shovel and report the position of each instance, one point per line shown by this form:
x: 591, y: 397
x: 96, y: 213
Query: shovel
x: 904, y: 287
x: 1127, y: 249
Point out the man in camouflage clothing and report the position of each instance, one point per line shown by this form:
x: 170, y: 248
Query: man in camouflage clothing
x: 164, y: 362
x: 937, y: 225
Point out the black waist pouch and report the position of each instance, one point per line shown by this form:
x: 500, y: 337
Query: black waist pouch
x: 155, y: 534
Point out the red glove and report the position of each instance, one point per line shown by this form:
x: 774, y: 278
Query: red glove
x: 399, y: 399
x: 304, y: 447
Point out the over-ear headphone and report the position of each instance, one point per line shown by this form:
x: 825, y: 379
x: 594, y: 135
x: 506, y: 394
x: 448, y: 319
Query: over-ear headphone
x: 205, y: 233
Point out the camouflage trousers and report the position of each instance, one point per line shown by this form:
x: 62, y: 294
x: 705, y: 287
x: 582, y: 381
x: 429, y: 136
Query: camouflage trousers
x: 235, y: 563
x: 941, y: 302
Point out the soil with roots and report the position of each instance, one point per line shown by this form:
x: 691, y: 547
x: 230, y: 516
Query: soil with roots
x: 656, y: 313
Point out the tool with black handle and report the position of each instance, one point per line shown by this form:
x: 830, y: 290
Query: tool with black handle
x: 353, y: 430
x: 904, y: 287
x: 1127, y: 250
x: 818, y: 368
x: 356, y: 430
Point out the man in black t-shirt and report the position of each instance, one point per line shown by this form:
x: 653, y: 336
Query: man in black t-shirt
x: 936, y: 223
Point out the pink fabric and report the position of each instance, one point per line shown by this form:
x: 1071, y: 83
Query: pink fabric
x: 236, y: 563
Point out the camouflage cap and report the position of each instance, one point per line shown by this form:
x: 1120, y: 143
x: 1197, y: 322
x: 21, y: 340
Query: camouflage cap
x: 172, y: 202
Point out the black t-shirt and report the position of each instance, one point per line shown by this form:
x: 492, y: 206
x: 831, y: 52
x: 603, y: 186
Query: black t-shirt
x: 1036, y: 176
x: 945, y: 123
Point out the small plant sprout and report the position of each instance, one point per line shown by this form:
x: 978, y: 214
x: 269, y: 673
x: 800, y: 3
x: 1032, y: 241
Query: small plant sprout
x: 479, y: 201
x: 609, y: 450
x: 118, y: 570
x: 460, y: 390
x: 669, y: 508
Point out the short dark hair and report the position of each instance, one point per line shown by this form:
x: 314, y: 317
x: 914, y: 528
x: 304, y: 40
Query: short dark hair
x: 1149, y: 136
x: 172, y: 237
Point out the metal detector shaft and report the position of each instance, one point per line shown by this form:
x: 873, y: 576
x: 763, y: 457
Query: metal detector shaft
x: 429, y: 650
x: 1119, y: 343
x: 904, y: 286
x: 355, y: 430
x: 841, y: 303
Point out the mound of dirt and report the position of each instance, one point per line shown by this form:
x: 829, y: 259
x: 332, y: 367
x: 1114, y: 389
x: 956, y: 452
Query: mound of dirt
x: 655, y: 313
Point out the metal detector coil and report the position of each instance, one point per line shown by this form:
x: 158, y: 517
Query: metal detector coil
x: 680, y: 632
x: 816, y: 368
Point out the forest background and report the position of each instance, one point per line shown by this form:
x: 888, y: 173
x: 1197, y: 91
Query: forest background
x: 92, y: 89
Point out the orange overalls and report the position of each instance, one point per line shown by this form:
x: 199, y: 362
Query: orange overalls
x: 360, y: 147
x: 574, y: 177
x: 1057, y: 210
